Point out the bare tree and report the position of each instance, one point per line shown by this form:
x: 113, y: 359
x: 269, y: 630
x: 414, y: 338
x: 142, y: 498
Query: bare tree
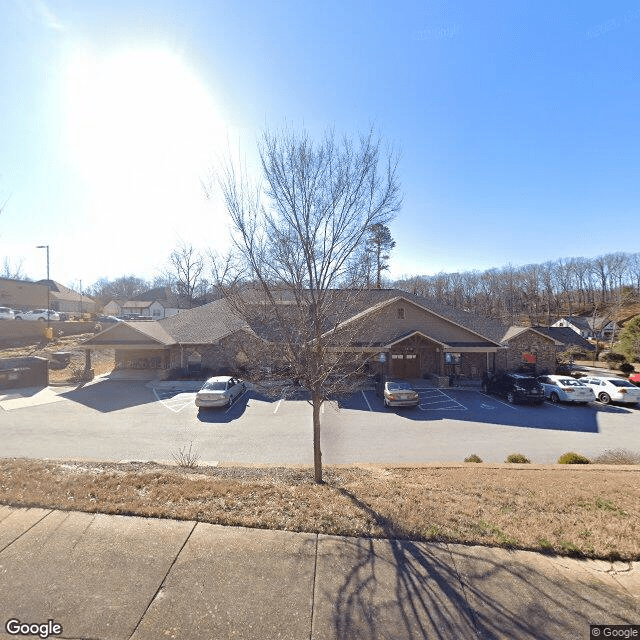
x: 11, y: 270
x: 121, y: 289
x: 294, y: 240
x: 186, y: 265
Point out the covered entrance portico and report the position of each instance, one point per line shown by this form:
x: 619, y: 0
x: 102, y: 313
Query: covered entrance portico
x: 417, y: 355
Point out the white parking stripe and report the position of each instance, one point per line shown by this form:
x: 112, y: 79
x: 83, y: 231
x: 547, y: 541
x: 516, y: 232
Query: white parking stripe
x: 433, y: 399
x: 506, y: 404
x: 364, y: 395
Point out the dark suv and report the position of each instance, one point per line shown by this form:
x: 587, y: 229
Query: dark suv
x: 516, y: 387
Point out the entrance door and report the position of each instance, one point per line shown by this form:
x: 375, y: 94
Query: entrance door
x: 404, y: 365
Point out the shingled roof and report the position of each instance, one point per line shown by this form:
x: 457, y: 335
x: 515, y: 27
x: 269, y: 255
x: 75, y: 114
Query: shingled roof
x: 204, y: 325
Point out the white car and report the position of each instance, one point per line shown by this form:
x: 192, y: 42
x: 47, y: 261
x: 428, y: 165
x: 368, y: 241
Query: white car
x: 38, y: 314
x: 566, y: 389
x: 613, y: 390
x: 6, y: 313
x: 220, y: 391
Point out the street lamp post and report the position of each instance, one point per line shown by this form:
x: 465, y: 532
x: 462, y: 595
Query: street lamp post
x: 46, y: 246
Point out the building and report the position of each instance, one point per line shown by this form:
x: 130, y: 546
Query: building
x: 408, y: 336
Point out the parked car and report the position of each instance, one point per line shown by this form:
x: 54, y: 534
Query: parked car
x: 613, y: 390
x: 6, y: 313
x: 38, y: 314
x: 635, y: 378
x: 565, y: 389
x: 219, y: 391
x: 515, y: 387
x: 398, y: 393
x: 107, y: 319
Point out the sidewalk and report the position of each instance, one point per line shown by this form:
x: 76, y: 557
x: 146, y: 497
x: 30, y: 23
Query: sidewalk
x: 117, y: 577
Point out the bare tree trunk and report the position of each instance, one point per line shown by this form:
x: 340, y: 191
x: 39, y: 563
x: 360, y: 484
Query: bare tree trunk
x: 317, y: 452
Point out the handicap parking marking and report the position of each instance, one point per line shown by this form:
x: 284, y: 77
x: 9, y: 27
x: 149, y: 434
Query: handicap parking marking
x: 436, y: 400
x: 175, y: 400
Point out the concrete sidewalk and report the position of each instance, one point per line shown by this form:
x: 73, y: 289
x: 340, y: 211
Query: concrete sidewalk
x: 117, y: 577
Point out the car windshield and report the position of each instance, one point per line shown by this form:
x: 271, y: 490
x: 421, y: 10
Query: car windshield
x: 621, y: 383
x: 215, y: 386
x: 399, y: 386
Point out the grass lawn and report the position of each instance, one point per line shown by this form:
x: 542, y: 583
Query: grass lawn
x: 583, y: 510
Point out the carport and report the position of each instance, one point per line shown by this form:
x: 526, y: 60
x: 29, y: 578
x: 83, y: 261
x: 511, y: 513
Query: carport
x: 137, y: 345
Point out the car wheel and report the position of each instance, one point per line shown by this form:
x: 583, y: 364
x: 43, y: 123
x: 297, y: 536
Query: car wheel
x: 605, y: 398
x: 386, y: 404
x: 554, y: 398
x: 511, y: 399
x: 18, y: 318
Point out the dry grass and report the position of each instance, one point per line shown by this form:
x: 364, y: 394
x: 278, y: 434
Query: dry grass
x: 593, y: 512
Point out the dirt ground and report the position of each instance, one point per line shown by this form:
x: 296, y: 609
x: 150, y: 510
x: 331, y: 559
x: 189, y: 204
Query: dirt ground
x: 101, y: 361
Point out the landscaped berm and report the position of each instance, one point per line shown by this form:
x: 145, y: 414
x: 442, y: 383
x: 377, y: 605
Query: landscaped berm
x: 583, y: 510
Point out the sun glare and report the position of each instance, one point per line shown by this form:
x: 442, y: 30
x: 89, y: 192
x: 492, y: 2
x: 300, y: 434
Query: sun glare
x: 142, y: 129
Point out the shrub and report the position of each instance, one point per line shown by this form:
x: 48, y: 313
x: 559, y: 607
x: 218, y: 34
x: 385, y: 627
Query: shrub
x: 473, y: 458
x: 617, y: 456
x: 517, y: 458
x: 572, y: 458
x: 614, y: 358
x: 626, y: 368
x: 186, y: 459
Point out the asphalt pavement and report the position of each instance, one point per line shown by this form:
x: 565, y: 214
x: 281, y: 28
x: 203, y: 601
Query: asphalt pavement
x: 72, y: 575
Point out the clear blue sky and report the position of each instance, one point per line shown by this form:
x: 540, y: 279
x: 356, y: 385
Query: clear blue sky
x: 518, y: 122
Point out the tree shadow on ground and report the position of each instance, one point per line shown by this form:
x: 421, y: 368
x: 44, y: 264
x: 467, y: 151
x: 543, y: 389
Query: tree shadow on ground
x: 401, y: 589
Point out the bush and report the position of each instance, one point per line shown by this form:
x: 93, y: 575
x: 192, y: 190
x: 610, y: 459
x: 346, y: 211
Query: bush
x: 473, y: 458
x: 572, y: 458
x: 614, y: 358
x: 617, y: 456
x: 626, y: 368
x: 517, y: 458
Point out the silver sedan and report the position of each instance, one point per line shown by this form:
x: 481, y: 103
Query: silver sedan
x: 220, y: 391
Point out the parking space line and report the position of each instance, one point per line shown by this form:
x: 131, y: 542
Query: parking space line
x: 434, y: 398
x: 233, y: 404
x: 506, y: 404
x: 367, y: 401
x: 177, y: 402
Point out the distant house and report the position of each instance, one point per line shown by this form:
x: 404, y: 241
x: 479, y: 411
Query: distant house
x: 25, y: 295
x: 418, y: 337
x: 156, y: 303
x: 588, y: 326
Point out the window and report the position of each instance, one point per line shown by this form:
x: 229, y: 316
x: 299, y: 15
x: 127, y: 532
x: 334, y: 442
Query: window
x: 400, y: 313
x: 452, y: 358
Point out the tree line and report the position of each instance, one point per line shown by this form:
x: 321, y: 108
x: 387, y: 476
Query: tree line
x: 537, y: 293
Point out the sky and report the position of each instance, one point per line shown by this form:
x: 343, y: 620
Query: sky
x: 516, y: 123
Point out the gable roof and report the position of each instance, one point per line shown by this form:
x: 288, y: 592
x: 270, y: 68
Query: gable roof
x: 407, y: 299
x: 515, y: 331
x: 122, y: 334
x: 566, y: 336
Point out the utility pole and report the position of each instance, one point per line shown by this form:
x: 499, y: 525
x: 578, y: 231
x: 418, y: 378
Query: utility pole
x: 46, y: 246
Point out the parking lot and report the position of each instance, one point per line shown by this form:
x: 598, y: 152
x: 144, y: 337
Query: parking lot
x: 120, y: 420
